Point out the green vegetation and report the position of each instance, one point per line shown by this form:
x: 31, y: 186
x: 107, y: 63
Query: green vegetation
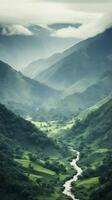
x: 35, y: 156
x: 88, y: 183
x: 92, y: 136
x: 36, y: 167
x: 54, y: 129
x: 32, y: 166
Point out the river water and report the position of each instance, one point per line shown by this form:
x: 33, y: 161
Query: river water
x: 68, y: 184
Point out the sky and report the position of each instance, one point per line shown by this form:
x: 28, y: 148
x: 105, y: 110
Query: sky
x: 94, y: 15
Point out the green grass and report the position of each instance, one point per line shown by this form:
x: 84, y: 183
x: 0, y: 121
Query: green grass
x: 54, y: 128
x: 88, y: 183
x: 43, y: 170
x: 34, y: 177
x: 104, y: 150
x: 36, y: 167
x: 23, y: 162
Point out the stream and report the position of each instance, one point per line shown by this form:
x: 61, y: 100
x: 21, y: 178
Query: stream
x: 68, y: 184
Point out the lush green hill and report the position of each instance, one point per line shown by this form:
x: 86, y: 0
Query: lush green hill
x: 93, y: 137
x: 23, y: 132
x: 32, y: 166
x: 14, y: 184
x: 17, y: 138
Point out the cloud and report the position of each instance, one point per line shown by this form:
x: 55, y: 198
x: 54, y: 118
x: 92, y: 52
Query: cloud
x: 76, y: 1
x: 89, y: 29
x: 44, y: 12
x: 15, y: 30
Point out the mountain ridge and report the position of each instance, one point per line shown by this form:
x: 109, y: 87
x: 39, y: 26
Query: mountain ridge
x: 15, y: 87
x: 88, y: 58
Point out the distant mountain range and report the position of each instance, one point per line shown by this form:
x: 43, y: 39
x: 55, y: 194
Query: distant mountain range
x: 83, y: 73
x: 87, y: 59
x: 36, y: 69
x: 38, y: 66
x: 19, y: 50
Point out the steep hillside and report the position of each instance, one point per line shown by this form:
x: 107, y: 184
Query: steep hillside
x: 90, y: 96
x: 92, y: 137
x: 16, y: 88
x: 17, y: 139
x: 31, y: 164
x: 22, y: 132
x: 14, y: 184
x: 88, y: 59
x: 35, y: 68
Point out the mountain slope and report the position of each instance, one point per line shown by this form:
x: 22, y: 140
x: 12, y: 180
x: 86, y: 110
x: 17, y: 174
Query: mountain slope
x: 90, y: 96
x: 22, y: 132
x: 14, y: 87
x: 89, y: 58
x: 31, y: 163
x: 35, y: 68
x: 19, y: 139
x: 92, y: 137
x: 98, y: 124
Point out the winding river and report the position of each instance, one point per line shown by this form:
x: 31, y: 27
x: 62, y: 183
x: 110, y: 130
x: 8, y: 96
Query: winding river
x: 68, y: 184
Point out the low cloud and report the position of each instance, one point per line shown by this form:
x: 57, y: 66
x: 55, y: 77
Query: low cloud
x: 89, y: 29
x: 44, y: 12
x: 15, y: 30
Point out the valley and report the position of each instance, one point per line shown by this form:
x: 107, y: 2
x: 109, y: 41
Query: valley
x: 93, y: 155
x: 55, y: 103
x: 40, y: 150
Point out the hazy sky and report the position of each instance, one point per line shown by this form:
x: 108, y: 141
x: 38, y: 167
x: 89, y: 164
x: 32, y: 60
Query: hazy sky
x: 95, y: 15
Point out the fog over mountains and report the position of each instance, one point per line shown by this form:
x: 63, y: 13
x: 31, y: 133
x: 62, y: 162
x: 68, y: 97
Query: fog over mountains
x: 72, y: 80
x: 78, y: 72
x: 22, y: 44
x: 88, y: 59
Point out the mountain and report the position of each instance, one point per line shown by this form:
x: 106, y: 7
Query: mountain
x: 38, y: 66
x: 27, y: 48
x: 32, y: 165
x: 57, y: 26
x: 22, y: 133
x: 92, y: 136
x: 90, y: 96
x: 96, y: 125
x: 23, y: 150
x: 88, y: 59
x: 16, y: 88
x: 80, y: 86
x: 36, y: 69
